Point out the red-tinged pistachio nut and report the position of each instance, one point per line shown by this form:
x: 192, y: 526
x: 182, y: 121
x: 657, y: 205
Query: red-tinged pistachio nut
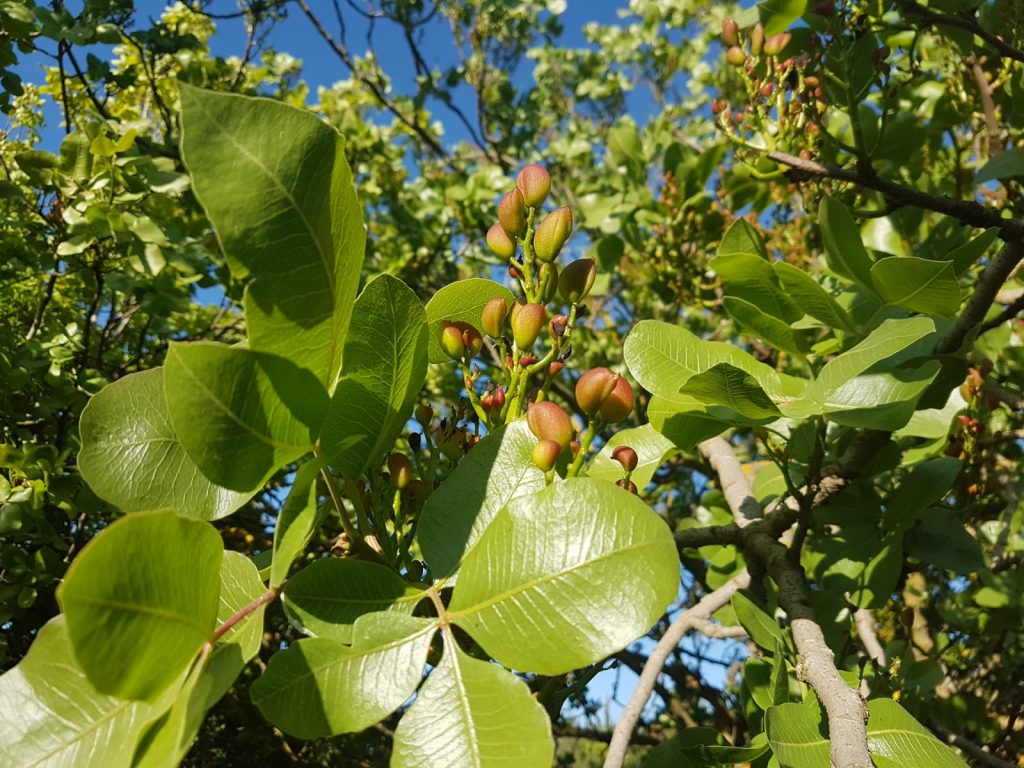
x: 576, y: 280
x: 527, y: 360
x: 487, y: 402
x: 545, y: 454
x: 628, y: 485
x: 424, y: 414
x: 552, y: 233
x: 626, y: 456
x: 415, y: 441
x: 549, y: 421
x: 512, y: 213
x: 757, y: 40
x: 811, y: 81
x: 527, y: 324
x: 730, y: 32
x: 549, y: 276
x: 557, y: 325
x: 619, y: 404
x: 534, y: 183
x: 556, y: 368
x: 499, y: 242
x: 498, y: 397
x: 452, y: 343
x: 492, y: 319
x: 718, y: 106
x: 599, y: 391
x: 735, y: 56
x: 401, y: 470
x: 776, y: 44
x: 514, y: 273
x: 472, y: 339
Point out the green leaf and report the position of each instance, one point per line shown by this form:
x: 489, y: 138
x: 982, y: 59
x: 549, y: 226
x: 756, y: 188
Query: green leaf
x: 327, y: 597
x: 752, y: 279
x: 762, y: 628
x: 299, y: 233
x: 896, y: 739
x: 383, y: 367
x: 968, y: 253
x: 777, y: 15
x: 652, y: 449
x: 296, y: 522
x: 925, y: 485
x: 140, y: 601
x: 920, y: 285
x: 810, y: 297
x: 688, y: 749
x: 733, y: 389
x: 572, y: 556
x: 318, y: 687
x: 881, y: 399
x: 757, y: 681
x: 847, y: 255
x: 763, y: 326
x: 941, y: 541
x: 132, y: 457
x: 463, y: 301
x: 52, y: 716
x: 880, y: 576
x: 1006, y: 165
x: 167, y: 740
x: 797, y: 734
x: 472, y: 713
x: 239, y: 414
x: 780, y: 676
x: 742, y: 237
x: 683, y: 421
x: 498, y: 469
x: 732, y: 755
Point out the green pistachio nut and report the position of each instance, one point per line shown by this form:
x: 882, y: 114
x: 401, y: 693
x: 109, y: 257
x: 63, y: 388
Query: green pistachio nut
x: 576, y: 280
x: 499, y: 242
x: 730, y: 32
x: 735, y: 56
x: 757, y: 40
x: 545, y: 454
x: 452, y: 343
x: 552, y: 233
x: 512, y: 213
x: 492, y: 320
x: 776, y: 44
x: 527, y: 324
x: 549, y: 421
x: 534, y: 183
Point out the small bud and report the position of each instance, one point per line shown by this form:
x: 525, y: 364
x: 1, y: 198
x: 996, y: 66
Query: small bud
x: 498, y: 398
x: 776, y: 44
x: 730, y: 32
x: 527, y: 324
x: 534, y: 183
x: 527, y: 360
x: 599, y: 391
x: 424, y: 414
x: 557, y: 325
x: 492, y: 319
x: 735, y: 56
x: 555, y: 368
x: 576, y: 280
x: 626, y: 456
x: 545, y: 454
x: 628, y: 485
x: 415, y: 441
x: 487, y: 402
x: 512, y: 213
x: 552, y: 233
x: 499, y: 242
x: 756, y: 40
x: 514, y: 273
x: 401, y: 470
x: 549, y: 422
x: 452, y: 343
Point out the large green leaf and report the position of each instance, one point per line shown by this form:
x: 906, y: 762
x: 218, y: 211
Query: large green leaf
x: 727, y: 387
x: 131, y: 455
x: 880, y: 399
x: 327, y: 597
x: 753, y: 279
x: 296, y: 522
x: 684, y: 421
x: 498, y: 469
x: 742, y: 237
x: 1005, y: 165
x: 52, y: 716
x: 810, y: 297
x: 896, y: 739
x: 383, y: 367
x: 167, y: 739
x: 140, y: 601
x: 762, y: 628
x: 277, y: 188
x: 920, y: 285
x: 925, y: 485
x: 318, y: 687
x: 687, y: 749
x: 756, y: 322
x: 472, y: 713
x: 239, y: 414
x: 777, y: 15
x: 463, y: 301
x: 847, y: 255
x: 567, y: 576
x: 968, y: 253
x: 798, y: 735
x: 653, y: 449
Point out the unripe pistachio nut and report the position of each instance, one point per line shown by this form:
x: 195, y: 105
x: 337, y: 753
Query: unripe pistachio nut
x: 452, y: 343
x: 735, y: 56
x: 527, y: 324
x: 626, y: 456
x: 730, y: 32
x: 576, y: 280
x: 552, y: 233
x: 545, y: 454
x: 534, y: 183
x: 512, y: 213
x: 499, y: 242
x: 424, y: 414
x: 757, y: 40
x: 492, y: 319
x: 776, y: 44
x: 601, y: 392
x: 548, y: 421
x: 401, y: 470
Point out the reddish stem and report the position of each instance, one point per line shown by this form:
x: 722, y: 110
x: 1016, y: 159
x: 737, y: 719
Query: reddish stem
x: 224, y: 628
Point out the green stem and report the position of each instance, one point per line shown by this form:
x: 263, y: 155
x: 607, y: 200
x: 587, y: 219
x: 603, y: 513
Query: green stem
x: 339, y: 504
x: 581, y: 454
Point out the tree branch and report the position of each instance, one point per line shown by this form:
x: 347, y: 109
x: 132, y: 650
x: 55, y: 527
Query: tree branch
x: 970, y: 748
x: 682, y: 624
x: 958, y: 22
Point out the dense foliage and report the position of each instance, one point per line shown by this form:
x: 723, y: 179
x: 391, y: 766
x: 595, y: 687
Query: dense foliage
x: 306, y: 407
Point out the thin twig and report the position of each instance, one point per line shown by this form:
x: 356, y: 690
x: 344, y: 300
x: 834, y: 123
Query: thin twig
x: 970, y: 748
x: 959, y: 22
